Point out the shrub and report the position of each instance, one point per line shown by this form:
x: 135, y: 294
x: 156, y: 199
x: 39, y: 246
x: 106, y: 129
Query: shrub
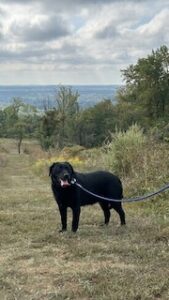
x: 72, y: 154
x: 141, y: 162
x: 124, y: 152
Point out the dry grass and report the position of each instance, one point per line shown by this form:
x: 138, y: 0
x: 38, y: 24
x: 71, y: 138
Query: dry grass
x: 37, y: 262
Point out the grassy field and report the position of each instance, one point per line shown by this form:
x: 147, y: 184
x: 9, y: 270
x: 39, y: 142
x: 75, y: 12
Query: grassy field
x: 37, y: 262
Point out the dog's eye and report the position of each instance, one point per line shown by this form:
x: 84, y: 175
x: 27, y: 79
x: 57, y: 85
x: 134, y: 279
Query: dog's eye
x: 55, y: 178
x: 67, y: 168
x: 59, y: 168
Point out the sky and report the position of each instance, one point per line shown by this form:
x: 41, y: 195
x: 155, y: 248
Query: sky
x: 77, y: 41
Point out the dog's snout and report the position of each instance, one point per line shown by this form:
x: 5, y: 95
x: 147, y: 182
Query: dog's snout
x: 65, y: 176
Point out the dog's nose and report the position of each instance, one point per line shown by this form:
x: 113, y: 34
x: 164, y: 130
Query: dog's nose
x: 66, y: 177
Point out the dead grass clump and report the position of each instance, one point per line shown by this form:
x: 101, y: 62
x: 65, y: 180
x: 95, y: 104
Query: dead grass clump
x: 3, y: 160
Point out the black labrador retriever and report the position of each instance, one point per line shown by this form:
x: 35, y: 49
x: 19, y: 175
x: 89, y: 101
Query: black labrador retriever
x: 68, y: 194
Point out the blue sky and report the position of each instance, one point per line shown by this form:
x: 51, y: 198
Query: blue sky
x: 77, y: 41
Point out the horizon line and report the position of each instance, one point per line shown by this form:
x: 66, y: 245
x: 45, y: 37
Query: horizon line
x: 59, y: 84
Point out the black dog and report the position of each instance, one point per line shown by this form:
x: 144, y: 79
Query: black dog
x: 68, y: 194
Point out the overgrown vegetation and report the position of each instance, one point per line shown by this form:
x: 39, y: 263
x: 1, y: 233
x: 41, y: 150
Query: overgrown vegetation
x: 141, y: 161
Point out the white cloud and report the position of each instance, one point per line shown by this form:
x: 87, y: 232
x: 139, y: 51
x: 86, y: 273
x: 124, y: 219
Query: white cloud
x: 158, y: 24
x: 75, y: 41
x: 40, y: 29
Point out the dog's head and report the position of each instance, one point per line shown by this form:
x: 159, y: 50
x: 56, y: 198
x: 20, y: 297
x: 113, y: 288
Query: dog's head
x: 61, y: 173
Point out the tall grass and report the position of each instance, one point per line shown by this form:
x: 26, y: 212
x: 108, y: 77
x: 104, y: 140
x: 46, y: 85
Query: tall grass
x: 125, y: 152
x: 141, y: 162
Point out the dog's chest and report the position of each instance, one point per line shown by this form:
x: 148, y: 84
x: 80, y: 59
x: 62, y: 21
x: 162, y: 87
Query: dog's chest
x: 67, y: 197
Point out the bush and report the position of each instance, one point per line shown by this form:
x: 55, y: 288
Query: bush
x: 141, y: 162
x: 161, y: 132
x: 72, y: 154
x: 125, y: 151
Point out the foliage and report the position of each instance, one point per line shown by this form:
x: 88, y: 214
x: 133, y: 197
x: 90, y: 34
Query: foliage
x: 140, y: 160
x: 48, y: 129
x: 124, y: 152
x: 67, y: 125
x: 96, y: 123
x: 147, y: 85
x: 72, y: 154
x: 58, y: 124
x: 18, y: 120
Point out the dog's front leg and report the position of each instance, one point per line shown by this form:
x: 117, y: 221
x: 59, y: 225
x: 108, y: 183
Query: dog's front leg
x: 63, y: 214
x: 75, y: 221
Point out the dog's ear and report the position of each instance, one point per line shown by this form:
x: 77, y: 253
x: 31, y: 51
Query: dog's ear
x: 70, y: 166
x: 50, y: 168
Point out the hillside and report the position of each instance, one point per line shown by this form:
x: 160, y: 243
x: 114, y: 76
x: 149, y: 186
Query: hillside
x: 37, y: 262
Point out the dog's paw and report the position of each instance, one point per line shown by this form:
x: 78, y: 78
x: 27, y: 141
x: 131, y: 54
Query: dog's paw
x: 62, y: 230
x: 103, y: 224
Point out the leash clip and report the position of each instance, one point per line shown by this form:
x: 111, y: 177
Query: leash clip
x: 73, y: 181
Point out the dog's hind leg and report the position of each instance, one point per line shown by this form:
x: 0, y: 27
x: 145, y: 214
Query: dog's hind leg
x: 120, y: 211
x: 106, y: 212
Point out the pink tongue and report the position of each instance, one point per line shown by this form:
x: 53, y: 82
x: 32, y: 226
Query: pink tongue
x: 64, y: 183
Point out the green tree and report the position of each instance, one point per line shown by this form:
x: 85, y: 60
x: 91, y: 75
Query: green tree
x: 19, y: 121
x: 67, y: 109
x: 48, y: 131
x: 11, y: 113
x: 147, y: 85
x: 58, y: 124
x: 95, y: 124
x: 19, y: 132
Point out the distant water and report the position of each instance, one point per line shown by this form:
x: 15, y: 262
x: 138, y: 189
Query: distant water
x: 37, y: 95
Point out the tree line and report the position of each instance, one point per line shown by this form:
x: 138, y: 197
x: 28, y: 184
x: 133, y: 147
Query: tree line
x: 144, y: 99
